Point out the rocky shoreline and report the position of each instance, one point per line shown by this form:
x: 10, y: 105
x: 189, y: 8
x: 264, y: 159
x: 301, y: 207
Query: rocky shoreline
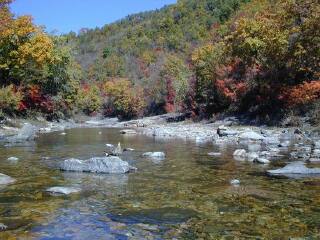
x: 258, y: 144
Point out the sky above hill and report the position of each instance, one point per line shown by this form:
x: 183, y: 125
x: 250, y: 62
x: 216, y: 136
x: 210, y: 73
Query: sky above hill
x: 62, y: 16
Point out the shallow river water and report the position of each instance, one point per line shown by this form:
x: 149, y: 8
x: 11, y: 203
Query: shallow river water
x: 188, y: 195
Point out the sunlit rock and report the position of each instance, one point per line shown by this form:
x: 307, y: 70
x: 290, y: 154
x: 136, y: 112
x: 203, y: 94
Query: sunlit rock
x: 5, y: 179
x: 63, y: 190
x: 97, y: 165
x: 295, y: 168
x: 235, y: 182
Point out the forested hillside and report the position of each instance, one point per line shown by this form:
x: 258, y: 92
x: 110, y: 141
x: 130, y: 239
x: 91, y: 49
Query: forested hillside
x: 151, y: 50
x: 206, y: 57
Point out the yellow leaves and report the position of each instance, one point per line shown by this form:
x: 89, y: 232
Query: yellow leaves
x: 127, y: 100
x: 38, y: 49
x: 24, y: 43
x: 198, y: 54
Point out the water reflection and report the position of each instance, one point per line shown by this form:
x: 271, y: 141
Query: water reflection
x: 186, y: 195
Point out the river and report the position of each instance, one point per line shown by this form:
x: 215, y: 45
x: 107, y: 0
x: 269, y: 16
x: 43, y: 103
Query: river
x: 187, y: 195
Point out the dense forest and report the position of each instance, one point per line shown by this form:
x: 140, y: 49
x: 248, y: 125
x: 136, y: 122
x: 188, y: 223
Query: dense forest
x: 204, y: 57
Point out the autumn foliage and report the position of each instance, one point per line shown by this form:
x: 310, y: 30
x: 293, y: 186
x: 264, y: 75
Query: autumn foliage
x: 122, y: 99
x: 304, y: 93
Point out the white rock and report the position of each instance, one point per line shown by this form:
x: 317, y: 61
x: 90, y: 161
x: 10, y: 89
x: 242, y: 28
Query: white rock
x: 13, y: 159
x: 235, y: 182
x: 154, y: 154
x: 295, y: 168
x: 5, y: 179
x: 63, y: 190
x: 240, y: 153
x: 262, y: 160
x: 63, y: 134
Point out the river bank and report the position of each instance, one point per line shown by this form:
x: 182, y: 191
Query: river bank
x: 265, y: 142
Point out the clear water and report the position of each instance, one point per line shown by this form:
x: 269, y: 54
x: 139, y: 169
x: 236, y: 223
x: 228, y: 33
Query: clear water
x: 186, y: 196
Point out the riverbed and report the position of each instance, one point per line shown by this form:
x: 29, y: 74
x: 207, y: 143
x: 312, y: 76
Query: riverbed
x: 187, y: 195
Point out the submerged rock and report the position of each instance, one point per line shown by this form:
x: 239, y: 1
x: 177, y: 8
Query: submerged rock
x: 295, y: 168
x: 63, y: 190
x: 168, y: 215
x: 5, y: 179
x: 13, y: 159
x: 97, y: 165
x: 154, y: 155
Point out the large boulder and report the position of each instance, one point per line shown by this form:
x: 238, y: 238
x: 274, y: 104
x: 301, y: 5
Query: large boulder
x: 5, y: 179
x: 250, y: 136
x: 97, y: 165
x: 295, y: 168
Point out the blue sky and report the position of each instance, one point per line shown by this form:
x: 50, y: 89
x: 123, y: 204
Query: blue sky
x: 67, y: 15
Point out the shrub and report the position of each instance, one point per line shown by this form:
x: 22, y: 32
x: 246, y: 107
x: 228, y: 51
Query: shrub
x: 89, y: 99
x: 303, y: 93
x: 10, y: 99
x: 123, y: 100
